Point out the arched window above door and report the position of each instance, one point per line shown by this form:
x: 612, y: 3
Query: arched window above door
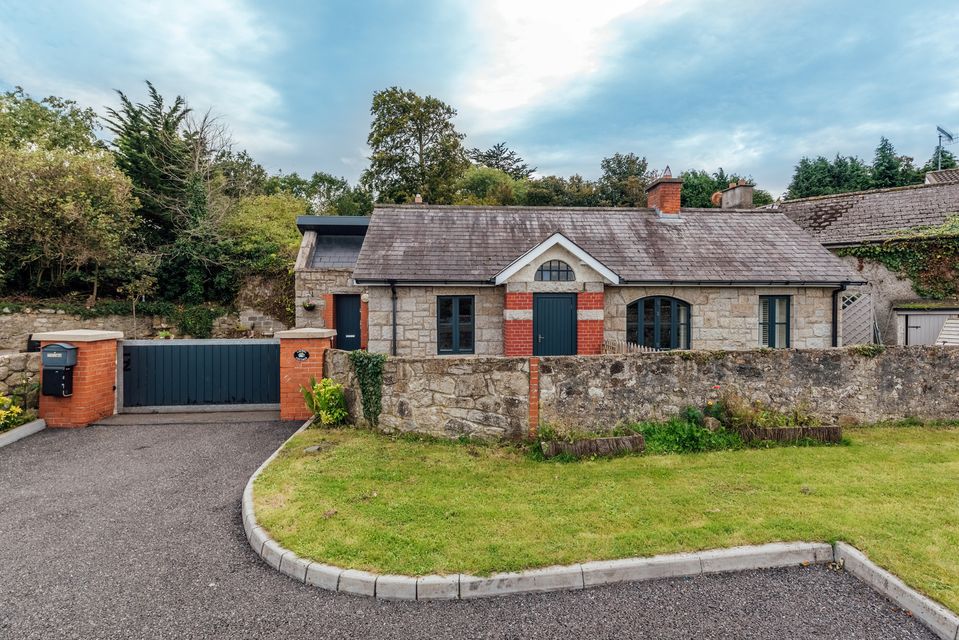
x: 555, y: 271
x: 659, y: 322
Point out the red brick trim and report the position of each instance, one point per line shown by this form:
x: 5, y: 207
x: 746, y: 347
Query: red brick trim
x: 364, y: 324
x: 533, y: 396
x: 518, y: 334
x: 589, y: 337
x: 329, y: 317
x: 590, y: 300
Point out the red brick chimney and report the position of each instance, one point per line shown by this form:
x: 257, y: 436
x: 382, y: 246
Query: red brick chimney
x: 663, y: 194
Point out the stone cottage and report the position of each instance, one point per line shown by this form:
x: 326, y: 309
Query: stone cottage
x: 420, y: 280
x: 888, y: 309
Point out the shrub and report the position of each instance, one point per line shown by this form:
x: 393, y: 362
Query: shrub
x: 12, y: 415
x: 369, y: 373
x: 681, y: 435
x: 326, y: 401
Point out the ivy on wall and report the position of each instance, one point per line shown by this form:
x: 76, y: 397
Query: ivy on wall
x: 927, y: 256
x: 369, y: 373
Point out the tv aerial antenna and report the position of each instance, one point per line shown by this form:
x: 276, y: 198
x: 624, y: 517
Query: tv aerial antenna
x: 949, y: 138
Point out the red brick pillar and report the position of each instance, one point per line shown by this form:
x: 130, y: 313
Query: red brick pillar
x: 364, y: 322
x: 301, y: 356
x: 589, y: 322
x: 518, y: 324
x: 94, y: 378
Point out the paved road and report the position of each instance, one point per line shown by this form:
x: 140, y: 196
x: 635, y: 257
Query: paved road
x: 91, y: 523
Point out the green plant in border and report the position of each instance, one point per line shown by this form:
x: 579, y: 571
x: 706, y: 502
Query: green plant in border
x: 867, y: 350
x: 325, y: 400
x: 369, y: 371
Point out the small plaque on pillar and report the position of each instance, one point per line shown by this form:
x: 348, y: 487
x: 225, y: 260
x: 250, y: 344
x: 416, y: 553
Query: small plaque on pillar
x: 301, y: 355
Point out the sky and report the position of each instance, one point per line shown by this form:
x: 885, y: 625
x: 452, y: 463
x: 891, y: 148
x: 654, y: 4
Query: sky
x: 747, y: 85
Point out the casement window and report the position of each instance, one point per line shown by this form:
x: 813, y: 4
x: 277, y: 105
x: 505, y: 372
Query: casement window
x: 774, y: 325
x: 659, y: 322
x: 555, y: 271
x: 455, y: 324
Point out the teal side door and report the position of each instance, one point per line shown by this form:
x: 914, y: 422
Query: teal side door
x: 554, y: 324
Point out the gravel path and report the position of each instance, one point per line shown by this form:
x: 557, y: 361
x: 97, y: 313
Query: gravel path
x: 135, y: 532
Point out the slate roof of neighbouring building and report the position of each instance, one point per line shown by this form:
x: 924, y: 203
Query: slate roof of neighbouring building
x: 473, y: 244
x: 943, y: 176
x: 335, y: 252
x: 871, y: 216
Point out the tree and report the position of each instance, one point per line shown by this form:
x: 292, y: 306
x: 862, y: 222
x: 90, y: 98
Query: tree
x: 886, y: 166
x: 415, y: 148
x: 624, y: 180
x: 501, y: 157
x: 66, y: 217
x: 699, y: 187
x: 948, y: 160
x: 819, y: 176
x: 324, y: 193
x: 488, y: 186
x: 244, y: 176
x: 51, y: 123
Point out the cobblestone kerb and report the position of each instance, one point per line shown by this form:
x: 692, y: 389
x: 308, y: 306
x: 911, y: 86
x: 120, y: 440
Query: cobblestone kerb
x: 940, y: 620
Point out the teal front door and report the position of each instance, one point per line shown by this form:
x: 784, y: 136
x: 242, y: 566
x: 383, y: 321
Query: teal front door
x: 554, y: 324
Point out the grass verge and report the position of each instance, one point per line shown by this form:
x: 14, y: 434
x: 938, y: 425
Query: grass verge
x: 396, y: 505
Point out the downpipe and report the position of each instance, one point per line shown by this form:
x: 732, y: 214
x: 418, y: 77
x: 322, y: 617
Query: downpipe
x: 393, y: 298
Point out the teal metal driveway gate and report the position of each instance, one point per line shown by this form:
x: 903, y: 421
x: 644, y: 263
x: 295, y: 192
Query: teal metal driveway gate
x: 189, y: 374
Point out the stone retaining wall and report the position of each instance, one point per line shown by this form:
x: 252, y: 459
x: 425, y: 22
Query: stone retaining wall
x: 488, y: 397
x: 18, y: 370
x: 479, y: 397
x: 832, y: 384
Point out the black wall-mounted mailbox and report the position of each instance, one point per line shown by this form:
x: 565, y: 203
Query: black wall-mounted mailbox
x: 58, y: 360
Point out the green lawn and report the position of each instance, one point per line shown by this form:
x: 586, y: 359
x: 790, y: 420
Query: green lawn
x: 397, y: 506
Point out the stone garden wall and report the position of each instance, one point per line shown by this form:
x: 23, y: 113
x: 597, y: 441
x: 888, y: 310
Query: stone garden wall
x: 19, y: 371
x: 479, y: 397
x: 836, y: 385
x: 489, y: 397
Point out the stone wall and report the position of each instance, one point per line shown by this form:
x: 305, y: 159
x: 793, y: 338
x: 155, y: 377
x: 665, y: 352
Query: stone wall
x: 19, y: 370
x: 15, y: 327
x: 486, y: 398
x: 600, y: 391
x: 317, y: 285
x: 728, y: 317
x: 416, y: 319
x: 490, y: 398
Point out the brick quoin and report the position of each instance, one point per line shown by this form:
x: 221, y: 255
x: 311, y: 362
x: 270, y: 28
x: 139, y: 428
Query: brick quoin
x: 589, y: 337
x: 590, y: 300
x: 296, y: 373
x: 329, y: 315
x: 94, y: 386
x: 364, y: 324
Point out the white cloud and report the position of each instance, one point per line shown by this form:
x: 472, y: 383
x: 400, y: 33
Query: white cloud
x: 207, y: 51
x: 539, y: 51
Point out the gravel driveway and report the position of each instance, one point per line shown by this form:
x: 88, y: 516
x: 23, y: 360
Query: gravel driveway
x: 135, y: 532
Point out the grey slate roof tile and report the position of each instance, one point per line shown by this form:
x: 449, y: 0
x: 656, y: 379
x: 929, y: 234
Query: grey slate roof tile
x: 335, y: 252
x: 869, y: 216
x: 469, y: 244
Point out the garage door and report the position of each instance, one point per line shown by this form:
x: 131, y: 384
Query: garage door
x: 923, y: 328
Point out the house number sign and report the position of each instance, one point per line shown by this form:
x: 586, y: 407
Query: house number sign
x: 301, y: 355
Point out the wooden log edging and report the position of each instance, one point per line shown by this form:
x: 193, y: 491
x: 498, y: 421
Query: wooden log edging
x: 594, y: 447
x: 831, y: 434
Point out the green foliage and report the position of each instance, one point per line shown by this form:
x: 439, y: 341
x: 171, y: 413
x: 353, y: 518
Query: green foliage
x: 624, y: 180
x: 12, y: 415
x: 369, y: 373
x: 927, y: 256
x: 326, y: 401
x: 263, y: 229
x: 414, y: 148
x: 50, y: 123
x: 819, y: 176
x: 486, y: 186
x: 682, y: 435
x: 501, y: 157
x: 323, y: 193
x: 948, y: 160
x: 734, y: 412
x: 699, y: 187
x: 867, y: 350
x: 64, y: 217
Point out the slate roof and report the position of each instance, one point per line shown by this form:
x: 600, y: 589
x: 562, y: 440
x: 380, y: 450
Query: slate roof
x: 943, y: 176
x: 871, y: 216
x: 335, y: 252
x: 473, y: 244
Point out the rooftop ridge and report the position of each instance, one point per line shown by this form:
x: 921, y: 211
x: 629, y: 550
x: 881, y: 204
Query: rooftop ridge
x: 908, y: 187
